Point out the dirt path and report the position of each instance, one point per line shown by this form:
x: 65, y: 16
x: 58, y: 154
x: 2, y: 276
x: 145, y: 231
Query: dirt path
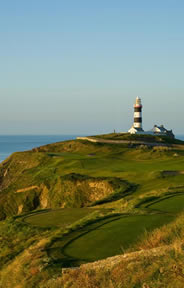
x: 99, y: 140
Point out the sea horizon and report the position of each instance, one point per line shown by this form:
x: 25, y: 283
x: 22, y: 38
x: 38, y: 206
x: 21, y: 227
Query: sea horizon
x: 17, y: 142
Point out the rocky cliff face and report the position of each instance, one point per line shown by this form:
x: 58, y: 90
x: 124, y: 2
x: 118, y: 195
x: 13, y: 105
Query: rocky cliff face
x: 30, y: 181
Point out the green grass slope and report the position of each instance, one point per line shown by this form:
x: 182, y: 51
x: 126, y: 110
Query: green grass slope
x: 77, y: 201
x: 155, y: 261
x: 79, y: 173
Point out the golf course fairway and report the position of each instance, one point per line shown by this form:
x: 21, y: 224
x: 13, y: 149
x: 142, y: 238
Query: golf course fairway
x: 112, y: 238
x: 173, y: 204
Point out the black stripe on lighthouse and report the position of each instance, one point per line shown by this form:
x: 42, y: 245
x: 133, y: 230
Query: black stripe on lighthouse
x: 138, y: 120
x: 137, y: 109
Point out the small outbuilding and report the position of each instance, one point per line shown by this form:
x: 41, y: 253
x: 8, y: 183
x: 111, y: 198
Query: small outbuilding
x: 161, y: 130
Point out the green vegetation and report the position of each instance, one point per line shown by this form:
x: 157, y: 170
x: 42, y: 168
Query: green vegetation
x: 54, y: 218
x: 160, y: 264
x: 71, y: 202
x: 16, y: 237
x: 113, y: 237
x: 173, y: 204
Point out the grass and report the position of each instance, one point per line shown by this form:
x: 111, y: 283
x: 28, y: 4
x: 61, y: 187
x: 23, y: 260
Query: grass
x: 145, y: 191
x: 151, y: 268
x: 142, y: 272
x: 119, y: 232
x: 114, y: 237
x: 57, y: 218
x: 173, y: 204
x: 15, y: 237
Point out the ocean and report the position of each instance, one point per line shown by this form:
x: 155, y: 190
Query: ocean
x: 15, y: 143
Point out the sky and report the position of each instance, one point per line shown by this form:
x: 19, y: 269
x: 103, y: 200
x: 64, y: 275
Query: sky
x: 76, y: 66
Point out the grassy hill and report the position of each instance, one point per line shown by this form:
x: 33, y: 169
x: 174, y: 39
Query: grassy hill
x: 73, y: 202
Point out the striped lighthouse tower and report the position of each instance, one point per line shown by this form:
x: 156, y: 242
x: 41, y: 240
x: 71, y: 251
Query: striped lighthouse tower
x: 138, y: 114
x: 137, y: 126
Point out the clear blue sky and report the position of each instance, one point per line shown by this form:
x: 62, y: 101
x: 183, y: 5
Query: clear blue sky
x: 76, y: 66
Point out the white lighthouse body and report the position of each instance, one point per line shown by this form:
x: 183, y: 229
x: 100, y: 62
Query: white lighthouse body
x: 137, y: 126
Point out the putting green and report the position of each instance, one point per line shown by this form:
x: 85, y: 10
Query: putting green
x: 111, y: 238
x: 59, y: 217
x: 173, y: 204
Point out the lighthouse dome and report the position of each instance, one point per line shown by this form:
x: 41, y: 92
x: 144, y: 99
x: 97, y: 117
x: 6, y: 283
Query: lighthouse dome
x: 138, y: 100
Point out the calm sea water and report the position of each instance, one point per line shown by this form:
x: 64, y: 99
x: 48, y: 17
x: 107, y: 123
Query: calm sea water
x: 181, y: 137
x: 15, y: 143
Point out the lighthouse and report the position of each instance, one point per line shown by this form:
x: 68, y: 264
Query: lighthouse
x: 138, y: 113
x: 137, y: 126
